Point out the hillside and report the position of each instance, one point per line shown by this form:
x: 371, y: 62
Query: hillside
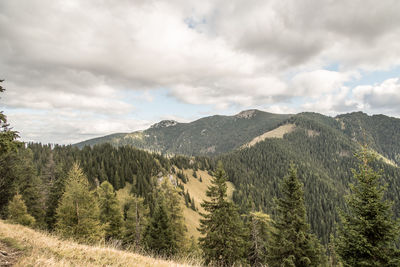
x: 380, y: 132
x: 206, y: 136
x: 322, y: 148
x: 33, y: 248
x: 323, y: 153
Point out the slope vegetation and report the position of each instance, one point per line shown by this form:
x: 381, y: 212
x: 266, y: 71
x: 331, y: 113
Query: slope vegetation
x: 207, y: 136
x: 323, y: 154
x: 40, y: 249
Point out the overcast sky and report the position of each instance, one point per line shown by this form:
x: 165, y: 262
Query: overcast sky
x: 80, y: 69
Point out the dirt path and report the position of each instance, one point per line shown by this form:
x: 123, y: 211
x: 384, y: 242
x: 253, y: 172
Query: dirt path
x: 8, y: 255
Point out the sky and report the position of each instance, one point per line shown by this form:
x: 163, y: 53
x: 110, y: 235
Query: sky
x: 75, y: 70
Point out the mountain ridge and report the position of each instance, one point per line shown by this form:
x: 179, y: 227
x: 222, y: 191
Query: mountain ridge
x: 210, y: 135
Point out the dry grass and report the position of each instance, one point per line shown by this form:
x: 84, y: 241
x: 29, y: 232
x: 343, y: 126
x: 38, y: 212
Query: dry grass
x: 42, y: 249
x: 275, y: 133
x: 197, y: 190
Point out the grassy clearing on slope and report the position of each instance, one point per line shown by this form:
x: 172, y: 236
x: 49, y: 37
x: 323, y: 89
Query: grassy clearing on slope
x: 43, y: 249
x: 275, y: 133
x: 197, y: 191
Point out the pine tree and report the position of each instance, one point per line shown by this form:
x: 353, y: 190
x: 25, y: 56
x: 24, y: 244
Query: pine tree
x: 172, y: 200
x: 223, y: 239
x: 192, y: 205
x: 7, y: 136
x: 291, y: 243
x: 368, y: 232
x: 55, y: 193
x: 78, y: 213
x: 259, y: 231
x: 18, y: 213
x: 29, y: 186
x: 137, y: 217
x: 159, y: 236
x: 8, y: 161
x: 110, y: 211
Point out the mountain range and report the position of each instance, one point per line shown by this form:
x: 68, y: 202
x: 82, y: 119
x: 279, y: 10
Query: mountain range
x: 257, y: 148
x: 218, y: 134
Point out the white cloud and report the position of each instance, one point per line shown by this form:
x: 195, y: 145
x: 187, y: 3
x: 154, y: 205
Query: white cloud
x: 318, y: 82
x: 384, y: 96
x: 82, y: 56
x: 69, y: 127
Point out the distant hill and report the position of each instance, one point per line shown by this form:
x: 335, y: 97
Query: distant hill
x: 207, y: 136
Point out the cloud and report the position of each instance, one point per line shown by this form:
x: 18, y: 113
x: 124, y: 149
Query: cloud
x: 303, y: 34
x: 384, y: 96
x: 378, y: 98
x: 69, y: 127
x: 318, y: 82
x: 83, y: 56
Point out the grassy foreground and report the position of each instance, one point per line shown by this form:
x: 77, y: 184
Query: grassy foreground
x: 42, y: 249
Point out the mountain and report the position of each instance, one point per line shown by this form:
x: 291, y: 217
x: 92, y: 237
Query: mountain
x: 256, y: 149
x: 206, y: 136
x: 322, y: 148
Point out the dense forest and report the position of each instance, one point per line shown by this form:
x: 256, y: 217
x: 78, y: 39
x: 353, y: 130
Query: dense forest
x: 289, y: 206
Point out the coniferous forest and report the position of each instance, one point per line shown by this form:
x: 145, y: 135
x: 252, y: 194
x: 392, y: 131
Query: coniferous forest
x: 303, y: 200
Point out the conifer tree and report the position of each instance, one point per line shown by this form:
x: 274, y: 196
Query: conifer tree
x: 29, y: 186
x: 17, y: 212
x: 110, y: 211
x: 291, y: 242
x: 172, y: 200
x: 137, y: 217
x: 192, y: 205
x: 55, y: 193
x: 159, y: 236
x: 368, y: 232
x: 7, y: 136
x: 8, y: 161
x: 259, y: 231
x: 78, y: 213
x: 223, y: 238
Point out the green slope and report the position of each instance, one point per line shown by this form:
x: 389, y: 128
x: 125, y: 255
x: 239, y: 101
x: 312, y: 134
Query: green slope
x: 207, y: 136
x: 380, y: 132
x: 323, y: 153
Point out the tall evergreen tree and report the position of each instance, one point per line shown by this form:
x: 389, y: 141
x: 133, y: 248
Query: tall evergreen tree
x: 7, y: 136
x: 159, y: 236
x: 56, y: 191
x: 368, y: 232
x: 223, y: 238
x: 137, y: 217
x: 78, y: 214
x: 259, y: 231
x: 168, y: 201
x: 29, y: 186
x: 291, y: 243
x: 8, y: 161
x: 169, y: 194
x: 18, y: 213
x: 110, y: 211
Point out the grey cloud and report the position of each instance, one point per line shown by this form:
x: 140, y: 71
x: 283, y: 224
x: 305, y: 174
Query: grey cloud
x: 82, y: 55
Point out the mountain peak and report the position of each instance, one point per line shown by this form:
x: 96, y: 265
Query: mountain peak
x: 247, y: 114
x: 164, y: 124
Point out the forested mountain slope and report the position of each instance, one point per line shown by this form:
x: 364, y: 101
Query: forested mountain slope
x: 380, y: 132
x: 259, y: 148
x: 323, y: 153
x: 320, y: 146
x: 207, y: 136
